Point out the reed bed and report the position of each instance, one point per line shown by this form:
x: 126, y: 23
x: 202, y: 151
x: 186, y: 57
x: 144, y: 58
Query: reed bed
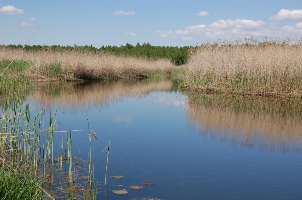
x: 269, y: 124
x: 27, y: 150
x: 247, y: 67
x: 73, y: 65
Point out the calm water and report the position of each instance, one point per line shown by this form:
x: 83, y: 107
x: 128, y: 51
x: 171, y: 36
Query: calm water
x: 189, y: 151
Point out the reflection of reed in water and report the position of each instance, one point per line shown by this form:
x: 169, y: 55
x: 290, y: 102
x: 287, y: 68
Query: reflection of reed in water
x: 76, y: 95
x: 268, y: 124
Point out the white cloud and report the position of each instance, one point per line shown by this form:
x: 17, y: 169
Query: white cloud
x: 25, y: 24
x: 131, y: 34
x: 229, y: 29
x: 284, y: 14
x: 187, y: 38
x: 299, y: 25
x: 120, y: 12
x: 32, y: 18
x: 203, y: 13
x: 218, y: 29
x: 238, y: 23
x: 11, y: 10
x: 191, y: 29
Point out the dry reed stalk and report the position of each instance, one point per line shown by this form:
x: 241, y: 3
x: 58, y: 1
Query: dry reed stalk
x: 87, y: 65
x: 252, y: 68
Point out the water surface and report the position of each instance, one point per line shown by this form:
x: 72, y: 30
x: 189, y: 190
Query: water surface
x: 189, y: 149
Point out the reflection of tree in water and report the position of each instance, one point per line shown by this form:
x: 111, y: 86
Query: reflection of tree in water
x: 83, y: 95
x: 249, y: 121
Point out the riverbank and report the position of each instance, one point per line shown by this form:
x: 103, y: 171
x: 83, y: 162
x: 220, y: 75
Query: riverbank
x: 247, y: 67
x: 76, y: 66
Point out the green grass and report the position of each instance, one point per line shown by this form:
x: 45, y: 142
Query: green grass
x: 15, y: 66
x: 55, y: 70
x: 13, y: 80
x: 14, y: 185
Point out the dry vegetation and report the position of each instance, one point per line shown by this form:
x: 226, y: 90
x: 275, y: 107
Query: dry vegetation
x: 72, y: 65
x: 247, y: 67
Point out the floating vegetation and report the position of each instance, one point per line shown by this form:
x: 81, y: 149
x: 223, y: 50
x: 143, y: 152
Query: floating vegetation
x: 116, y: 177
x: 120, y: 191
x: 147, y: 183
x: 136, y: 187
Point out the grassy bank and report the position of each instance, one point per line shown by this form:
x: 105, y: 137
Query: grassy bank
x: 14, y: 78
x: 49, y: 65
x: 247, y: 67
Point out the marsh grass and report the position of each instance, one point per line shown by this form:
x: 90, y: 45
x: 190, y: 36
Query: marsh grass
x: 247, y: 67
x: 14, y: 185
x: 14, y: 79
x: 27, y: 148
x: 74, y: 65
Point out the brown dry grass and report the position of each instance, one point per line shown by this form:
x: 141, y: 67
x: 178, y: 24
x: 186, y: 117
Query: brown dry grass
x: 253, y: 68
x: 270, y: 124
x: 92, y: 66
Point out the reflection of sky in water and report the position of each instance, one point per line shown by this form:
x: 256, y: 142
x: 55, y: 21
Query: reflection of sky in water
x: 152, y: 140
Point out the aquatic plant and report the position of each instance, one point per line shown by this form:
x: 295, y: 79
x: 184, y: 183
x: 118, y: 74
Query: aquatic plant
x: 28, y: 148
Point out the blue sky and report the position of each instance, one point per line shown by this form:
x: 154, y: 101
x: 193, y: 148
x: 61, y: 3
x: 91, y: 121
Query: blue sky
x: 159, y: 22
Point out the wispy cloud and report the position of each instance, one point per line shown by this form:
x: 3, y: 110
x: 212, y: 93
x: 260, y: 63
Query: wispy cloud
x: 203, y: 13
x: 284, y: 14
x: 238, y: 23
x: 130, y: 34
x: 120, y: 12
x: 238, y: 27
x: 11, y: 10
x: 299, y: 25
x: 25, y: 24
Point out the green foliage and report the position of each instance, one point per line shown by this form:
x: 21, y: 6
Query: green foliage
x: 16, y: 65
x: 18, y: 186
x: 9, y: 86
x: 55, y: 70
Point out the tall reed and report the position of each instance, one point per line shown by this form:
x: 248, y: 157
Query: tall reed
x: 247, y: 67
